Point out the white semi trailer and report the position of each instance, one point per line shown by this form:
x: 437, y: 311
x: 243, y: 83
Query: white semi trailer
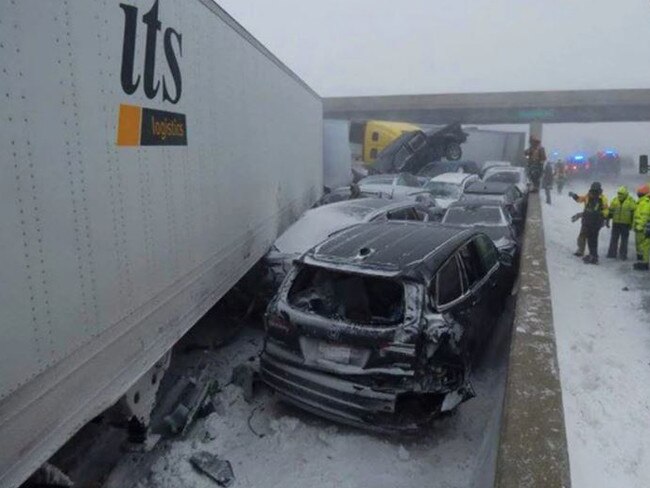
x: 151, y: 151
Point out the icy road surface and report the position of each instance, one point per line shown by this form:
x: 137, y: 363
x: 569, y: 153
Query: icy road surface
x: 603, y: 337
x: 272, y: 445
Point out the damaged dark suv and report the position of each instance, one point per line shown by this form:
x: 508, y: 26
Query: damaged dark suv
x: 378, y: 325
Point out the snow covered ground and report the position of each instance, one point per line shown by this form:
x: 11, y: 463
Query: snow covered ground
x: 603, y: 337
x: 271, y: 444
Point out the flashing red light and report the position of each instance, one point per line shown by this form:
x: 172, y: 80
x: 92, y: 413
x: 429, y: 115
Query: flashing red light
x: 575, y: 166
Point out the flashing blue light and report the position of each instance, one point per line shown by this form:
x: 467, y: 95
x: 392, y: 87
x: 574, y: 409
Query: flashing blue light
x: 610, y: 152
x: 579, y: 158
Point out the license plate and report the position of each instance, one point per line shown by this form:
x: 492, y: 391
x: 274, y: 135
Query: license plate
x: 334, y: 352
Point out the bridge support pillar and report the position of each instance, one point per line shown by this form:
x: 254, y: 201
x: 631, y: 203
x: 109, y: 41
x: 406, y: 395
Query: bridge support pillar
x: 535, y: 129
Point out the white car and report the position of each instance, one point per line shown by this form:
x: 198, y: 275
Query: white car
x: 395, y: 186
x: 447, y: 188
x: 515, y: 175
x: 487, y: 165
x: 319, y: 223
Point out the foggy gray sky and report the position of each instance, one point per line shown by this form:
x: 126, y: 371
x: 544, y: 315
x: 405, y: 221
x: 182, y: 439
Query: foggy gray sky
x: 367, y: 47
x: 628, y: 138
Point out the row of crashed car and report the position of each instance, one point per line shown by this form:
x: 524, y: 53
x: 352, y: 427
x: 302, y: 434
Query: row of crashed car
x: 443, y: 180
x: 382, y: 305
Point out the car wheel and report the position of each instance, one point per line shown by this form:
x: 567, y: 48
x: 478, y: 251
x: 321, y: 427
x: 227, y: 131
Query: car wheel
x: 453, y: 152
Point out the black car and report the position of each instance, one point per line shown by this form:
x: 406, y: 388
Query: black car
x: 378, y: 326
x: 492, y: 218
x: 436, y: 168
x: 412, y: 150
x: 505, y: 193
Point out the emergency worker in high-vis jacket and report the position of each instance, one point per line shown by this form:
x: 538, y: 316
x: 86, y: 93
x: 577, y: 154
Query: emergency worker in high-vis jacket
x: 593, y: 216
x: 621, y: 212
x: 641, y: 219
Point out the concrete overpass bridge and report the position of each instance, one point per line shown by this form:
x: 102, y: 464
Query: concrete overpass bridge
x: 497, y: 108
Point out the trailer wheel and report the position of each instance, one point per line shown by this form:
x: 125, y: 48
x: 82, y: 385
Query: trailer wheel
x: 453, y: 152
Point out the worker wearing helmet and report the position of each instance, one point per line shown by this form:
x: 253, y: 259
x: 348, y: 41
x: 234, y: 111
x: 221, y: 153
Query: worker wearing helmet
x: 593, y: 216
x: 621, y: 211
x: 536, y: 155
x: 641, y: 219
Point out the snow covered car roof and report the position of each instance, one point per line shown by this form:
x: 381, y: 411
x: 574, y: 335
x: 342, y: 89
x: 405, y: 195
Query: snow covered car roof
x: 318, y: 223
x: 489, y: 188
x: 493, y: 209
x: 488, y: 217
x: 405, y: 179
x: 504, y: 169
x: 457, y: 178
x: 393, y: 248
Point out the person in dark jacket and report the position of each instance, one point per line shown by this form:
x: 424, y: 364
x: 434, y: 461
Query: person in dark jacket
x: 547, y: 180
x: 594, y: 215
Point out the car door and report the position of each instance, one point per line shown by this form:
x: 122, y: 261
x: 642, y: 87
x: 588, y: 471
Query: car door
x: 511, y: 205
x: 495, y: 285
x: 519, y: 199
x: 511, y: 224
x: 479, y: 283
x: 517, y: 202
x: 453, y: 300
x: 449, y: 292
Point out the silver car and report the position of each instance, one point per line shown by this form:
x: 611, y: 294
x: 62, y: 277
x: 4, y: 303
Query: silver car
x: 515, y: 175
x: 319, y: 223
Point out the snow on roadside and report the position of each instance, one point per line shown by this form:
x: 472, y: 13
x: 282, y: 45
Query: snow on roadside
x: 603, y: 338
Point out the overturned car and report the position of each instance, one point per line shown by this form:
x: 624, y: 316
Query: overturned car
x: 378, y: 326
x: 413, y: 150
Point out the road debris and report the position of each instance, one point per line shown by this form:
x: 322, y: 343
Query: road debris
x: 191, y: 401
x: 219, y: 470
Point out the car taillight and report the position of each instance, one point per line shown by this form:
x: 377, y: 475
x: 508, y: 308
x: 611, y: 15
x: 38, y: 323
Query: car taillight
x: 279, y: 323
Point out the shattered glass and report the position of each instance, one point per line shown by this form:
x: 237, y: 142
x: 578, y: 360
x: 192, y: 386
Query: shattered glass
x: 348, y: 297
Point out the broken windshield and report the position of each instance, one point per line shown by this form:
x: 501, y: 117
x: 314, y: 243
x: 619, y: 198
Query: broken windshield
x: 348, y: 297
